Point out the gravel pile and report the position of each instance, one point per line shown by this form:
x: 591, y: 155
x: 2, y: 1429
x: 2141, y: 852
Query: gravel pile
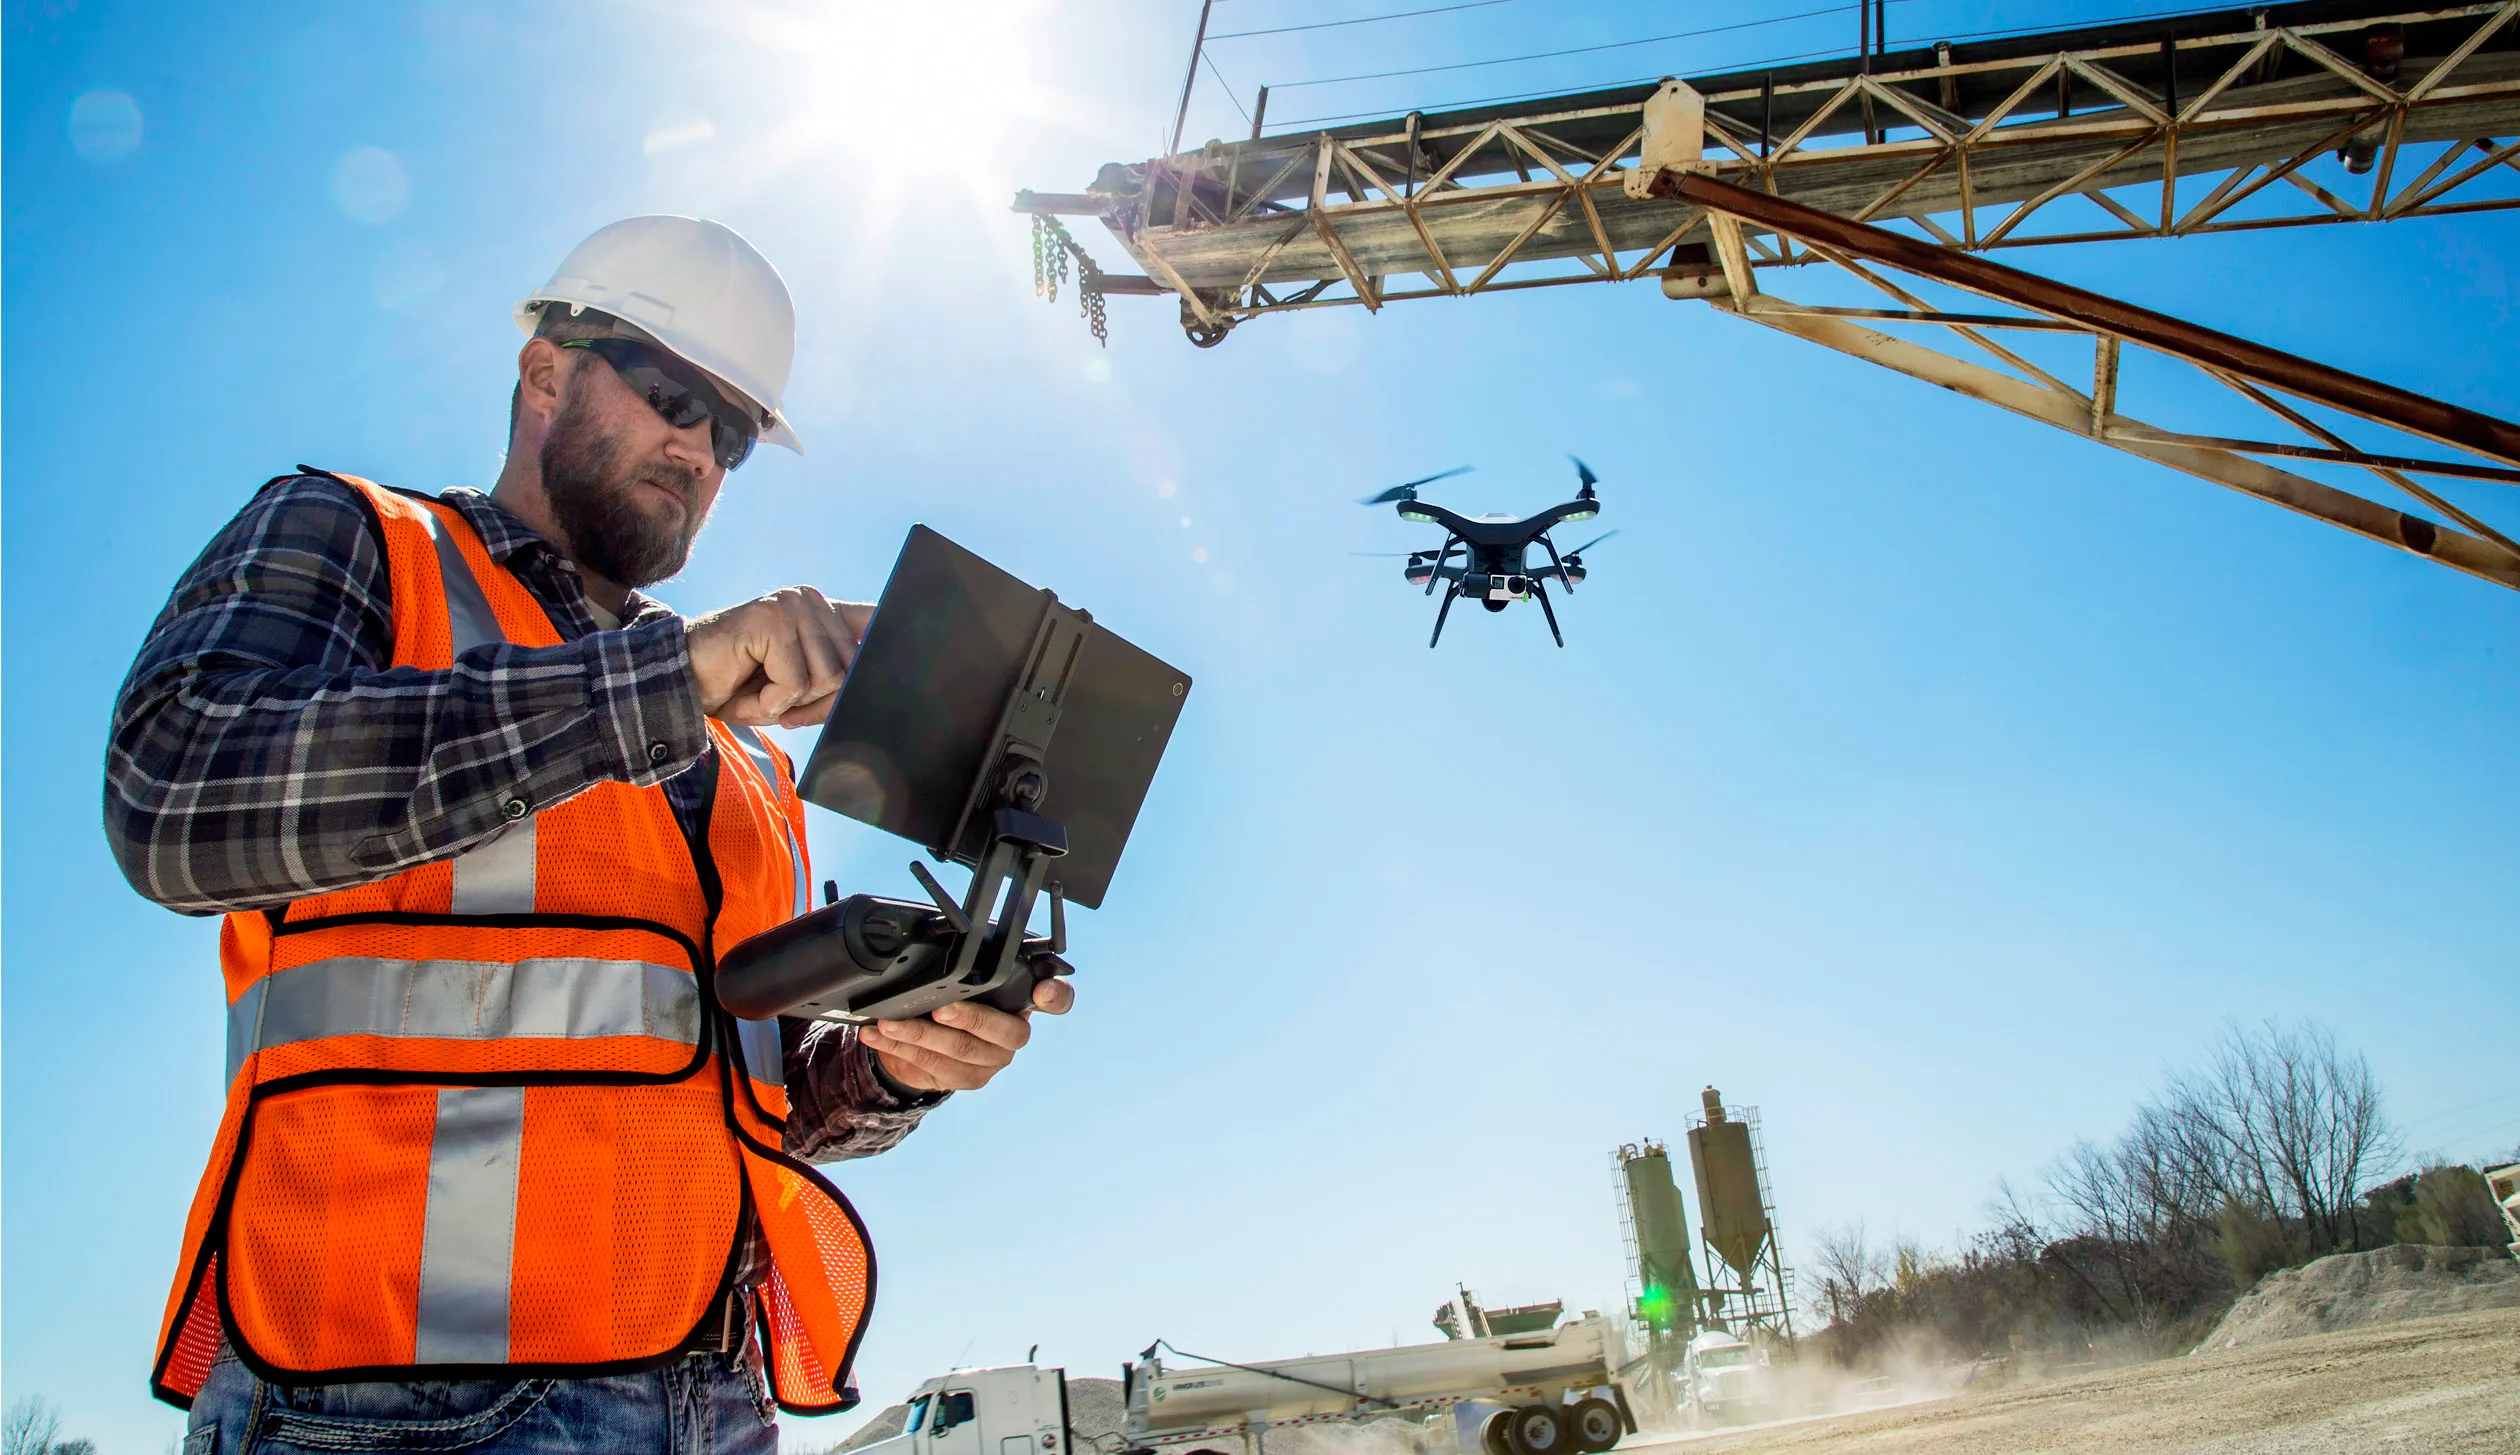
x: 883, y: 1427
x: 2356, y: 1290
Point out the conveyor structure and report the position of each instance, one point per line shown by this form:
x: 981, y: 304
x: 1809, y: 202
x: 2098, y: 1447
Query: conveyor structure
x: 1892, y: 169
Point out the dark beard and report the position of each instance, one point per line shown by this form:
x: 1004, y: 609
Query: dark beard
x: 590, y: 495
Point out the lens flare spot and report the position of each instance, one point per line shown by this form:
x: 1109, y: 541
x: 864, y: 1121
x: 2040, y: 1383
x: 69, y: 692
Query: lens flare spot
x: 1166, y: 489
x: 676, y: 133
x: 104, y: 126
x: 1198, y: 555
x: 369, y: 185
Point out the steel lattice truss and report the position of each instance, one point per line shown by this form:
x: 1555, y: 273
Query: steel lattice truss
x: 2155, y: 132
x: 1889, y: 171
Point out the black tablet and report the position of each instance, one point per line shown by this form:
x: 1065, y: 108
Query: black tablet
x: 921, y: 717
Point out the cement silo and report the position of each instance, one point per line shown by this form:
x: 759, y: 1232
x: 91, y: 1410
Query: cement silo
x: 1659, y: 1247
x: 1747, y: 1285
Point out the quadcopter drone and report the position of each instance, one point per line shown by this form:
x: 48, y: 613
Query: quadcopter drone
x: 1494, y: 573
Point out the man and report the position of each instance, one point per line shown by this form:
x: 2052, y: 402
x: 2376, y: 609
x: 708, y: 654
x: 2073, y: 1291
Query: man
x: 497, y: 1172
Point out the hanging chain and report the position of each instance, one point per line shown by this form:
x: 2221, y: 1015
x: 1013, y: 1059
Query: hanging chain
x: 1051, y: 249
x: 1050, y: 264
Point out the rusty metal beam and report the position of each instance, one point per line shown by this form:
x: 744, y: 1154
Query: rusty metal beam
x: 2208, y: 348
x: 2454, y: 548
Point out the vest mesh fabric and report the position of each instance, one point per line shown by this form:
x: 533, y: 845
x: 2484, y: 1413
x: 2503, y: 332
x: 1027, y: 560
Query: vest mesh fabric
x: 513, y: 1143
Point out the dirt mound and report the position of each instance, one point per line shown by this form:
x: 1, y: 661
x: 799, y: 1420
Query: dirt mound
x: 2355, y: 1290
x: 1094, y: 1409
x: 883, y: 1427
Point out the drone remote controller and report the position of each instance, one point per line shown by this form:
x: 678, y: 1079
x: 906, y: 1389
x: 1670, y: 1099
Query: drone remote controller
x: 867, y: 958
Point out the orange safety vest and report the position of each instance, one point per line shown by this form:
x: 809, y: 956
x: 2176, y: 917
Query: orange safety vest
x: 485, y: 1117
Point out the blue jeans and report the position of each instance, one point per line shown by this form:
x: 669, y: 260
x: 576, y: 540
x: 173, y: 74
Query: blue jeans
x: 706, y: 1404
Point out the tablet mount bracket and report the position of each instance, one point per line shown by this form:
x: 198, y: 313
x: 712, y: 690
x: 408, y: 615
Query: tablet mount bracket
x: 865, y: 958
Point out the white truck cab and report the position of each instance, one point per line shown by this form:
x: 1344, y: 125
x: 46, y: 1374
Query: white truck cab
x: 1727, y: 1379
x: 1015, y: 1410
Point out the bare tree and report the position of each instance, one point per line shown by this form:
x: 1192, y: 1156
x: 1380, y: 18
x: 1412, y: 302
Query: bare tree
x: 1848, y: 1267
x: 2014, y: 1230
x: 2278, y: 1120
x: 30, y: 1427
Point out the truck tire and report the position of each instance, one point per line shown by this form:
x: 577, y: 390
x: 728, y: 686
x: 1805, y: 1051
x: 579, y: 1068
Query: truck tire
x: 1493, y: 1437
x: 1594, y: 1425
x: 1537, y: 1430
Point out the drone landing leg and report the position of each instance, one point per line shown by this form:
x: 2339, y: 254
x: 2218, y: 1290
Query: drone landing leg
x: 1541, y: 593
x: 1563, y: 579
x: 1441, y: 612
x: 1440, y: 558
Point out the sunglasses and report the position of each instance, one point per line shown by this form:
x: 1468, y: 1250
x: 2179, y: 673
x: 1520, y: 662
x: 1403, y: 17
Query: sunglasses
x: 679, y: 394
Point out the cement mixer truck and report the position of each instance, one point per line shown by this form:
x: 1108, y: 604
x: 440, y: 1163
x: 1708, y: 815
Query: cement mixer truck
x: 1553, y: 1391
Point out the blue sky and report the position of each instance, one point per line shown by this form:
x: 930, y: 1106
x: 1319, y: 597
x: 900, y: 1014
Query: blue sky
x: 1924, y: 778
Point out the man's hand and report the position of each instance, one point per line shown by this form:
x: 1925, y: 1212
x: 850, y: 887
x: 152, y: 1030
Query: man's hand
x: 959, y: 1047
x: 778, y: 659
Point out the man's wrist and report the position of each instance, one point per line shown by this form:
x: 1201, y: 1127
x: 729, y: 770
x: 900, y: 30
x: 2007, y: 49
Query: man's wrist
x: 910, y: 1097
x: 645, y: 701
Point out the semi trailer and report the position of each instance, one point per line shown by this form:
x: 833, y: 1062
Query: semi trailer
x: 1552, y: 1392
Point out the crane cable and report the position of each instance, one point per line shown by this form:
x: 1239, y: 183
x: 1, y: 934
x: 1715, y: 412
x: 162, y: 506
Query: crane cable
x: 1581, y: 49
x: 1360, y: 20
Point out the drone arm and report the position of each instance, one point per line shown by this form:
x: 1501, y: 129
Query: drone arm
x: 1557, y: 515
x: 1452, y: 521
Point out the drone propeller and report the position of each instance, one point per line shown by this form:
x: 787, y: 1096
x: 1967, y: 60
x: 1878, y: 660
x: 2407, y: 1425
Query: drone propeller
x: 1584, y: 473
x: 1409, y: 491
x: 1588, y: 545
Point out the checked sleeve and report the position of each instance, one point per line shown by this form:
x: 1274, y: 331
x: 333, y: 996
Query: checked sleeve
x: 840, y: 1102
x: 264, y: 748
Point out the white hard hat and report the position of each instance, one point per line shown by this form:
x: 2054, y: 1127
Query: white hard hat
x: 699, y: 289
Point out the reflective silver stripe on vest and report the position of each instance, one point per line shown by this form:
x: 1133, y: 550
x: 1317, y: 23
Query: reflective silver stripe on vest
x: 765, y: 1059
x: 497, y: 875
x: 759, y: 751
x: 468, y: 613
x: 468, y: 1245
x: 469, y: 1000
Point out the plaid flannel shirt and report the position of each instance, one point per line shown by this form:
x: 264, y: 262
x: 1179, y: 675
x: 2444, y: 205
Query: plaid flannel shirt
x: 264, y: 748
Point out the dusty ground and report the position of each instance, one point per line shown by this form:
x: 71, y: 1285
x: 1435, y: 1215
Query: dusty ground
x: 2437, y: 1386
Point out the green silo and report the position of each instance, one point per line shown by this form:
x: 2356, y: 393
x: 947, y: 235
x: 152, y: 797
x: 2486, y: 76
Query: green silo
x: 1667, y: 1293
